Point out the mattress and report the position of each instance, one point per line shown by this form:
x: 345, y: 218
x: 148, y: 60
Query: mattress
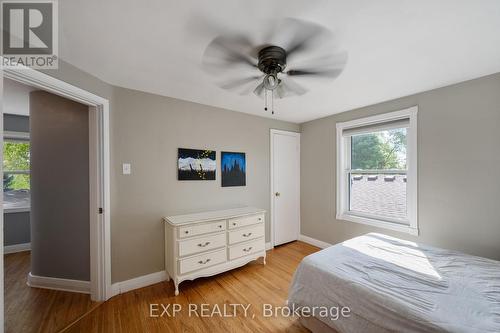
x: 390, y: 284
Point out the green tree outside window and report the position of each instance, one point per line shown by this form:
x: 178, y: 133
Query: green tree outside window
x: 16, y: 158
x: 379, y: 150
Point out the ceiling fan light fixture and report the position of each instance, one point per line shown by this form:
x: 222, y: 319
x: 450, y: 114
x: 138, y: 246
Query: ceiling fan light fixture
x: 302, y: 37
x: 271, y: 81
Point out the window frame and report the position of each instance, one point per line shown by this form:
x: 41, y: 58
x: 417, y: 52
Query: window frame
x: 13, y: 136
x: 343, y: 161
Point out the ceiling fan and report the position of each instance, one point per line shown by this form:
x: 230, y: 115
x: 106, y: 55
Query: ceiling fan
x: 264, y: 67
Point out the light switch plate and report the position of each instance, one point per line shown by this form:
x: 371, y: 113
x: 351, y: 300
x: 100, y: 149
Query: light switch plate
x: 126, y: 169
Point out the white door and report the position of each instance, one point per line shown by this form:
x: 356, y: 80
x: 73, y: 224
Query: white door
x: 285, y: 187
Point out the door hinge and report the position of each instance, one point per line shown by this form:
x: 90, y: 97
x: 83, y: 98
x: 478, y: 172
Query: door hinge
x: 100, y: 210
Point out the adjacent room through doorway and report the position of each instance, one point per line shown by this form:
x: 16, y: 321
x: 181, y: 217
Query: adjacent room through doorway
x: 46, y: 189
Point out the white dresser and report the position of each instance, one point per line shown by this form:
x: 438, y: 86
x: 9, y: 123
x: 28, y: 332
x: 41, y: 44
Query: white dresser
x: 208, y: 243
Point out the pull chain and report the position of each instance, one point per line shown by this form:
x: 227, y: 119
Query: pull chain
x: 272, y: 101
x: 265, y: 98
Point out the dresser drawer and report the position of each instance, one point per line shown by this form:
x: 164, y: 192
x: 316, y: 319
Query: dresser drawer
x: 245, y: 221
x: 244, y: 249
x: 200, y: 229
x: 200, y: 244
x: 246, y: 234
x: 202, y: 261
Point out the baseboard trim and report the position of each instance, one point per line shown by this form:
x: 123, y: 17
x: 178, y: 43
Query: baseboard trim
x: 138, y: 282
x: 146, y: 280
x: 16, y: 248
x: 76, y: 286
x: 314, y: 241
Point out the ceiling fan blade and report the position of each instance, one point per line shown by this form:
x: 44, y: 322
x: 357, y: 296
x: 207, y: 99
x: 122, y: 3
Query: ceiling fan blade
x: 281, y: 91
x: 303, y: 35
x: 241, y: 85
x: 238, y: 83
x: 259, y: 89
x: 326, y: 73
x: 330, y: 61
x: 248, y: 88
x: 289, y: 87
x: 328, y: 66
x: 226, y: 51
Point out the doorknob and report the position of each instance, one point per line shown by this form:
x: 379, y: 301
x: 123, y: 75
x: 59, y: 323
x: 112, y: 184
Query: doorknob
x: 277, y: 194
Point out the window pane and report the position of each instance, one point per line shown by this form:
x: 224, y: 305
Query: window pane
x: 382, y: 195
x: 14, y: 182
x: 16, y: 186
x: 16, y: 156
x: 379, y: 150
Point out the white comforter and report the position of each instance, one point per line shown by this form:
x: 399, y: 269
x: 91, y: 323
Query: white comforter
x: 395, y: 285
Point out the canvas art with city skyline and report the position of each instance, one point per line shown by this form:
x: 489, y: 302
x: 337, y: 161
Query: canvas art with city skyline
x: 233, y: 166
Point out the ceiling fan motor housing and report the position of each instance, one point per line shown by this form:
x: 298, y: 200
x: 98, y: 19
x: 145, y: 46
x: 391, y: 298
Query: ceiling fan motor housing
x: 272, y: 60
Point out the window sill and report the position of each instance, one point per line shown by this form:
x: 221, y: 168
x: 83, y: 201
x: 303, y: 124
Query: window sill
x: 16, y: 210
x: 378, y: 223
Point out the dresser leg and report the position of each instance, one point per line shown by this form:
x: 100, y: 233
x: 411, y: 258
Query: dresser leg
x: 176, y: 289
x: 264, y: 261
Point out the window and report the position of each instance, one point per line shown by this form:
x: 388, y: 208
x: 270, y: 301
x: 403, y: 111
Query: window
x: 16, y: 171
x: 377, y: 171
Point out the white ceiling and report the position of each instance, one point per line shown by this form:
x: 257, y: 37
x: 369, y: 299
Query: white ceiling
x: 395, y: 47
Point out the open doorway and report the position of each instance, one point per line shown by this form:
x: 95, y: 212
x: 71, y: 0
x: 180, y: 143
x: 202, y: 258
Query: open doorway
x: 51, y: 289
x: 16, y: 167
x: 46, y: 208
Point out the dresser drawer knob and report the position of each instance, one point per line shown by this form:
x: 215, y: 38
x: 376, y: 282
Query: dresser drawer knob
x: 247, y: 235
x: 186, y: 232
x: 234, y: 223
x: 201, y: 262
x: 203, y: 245
x: 247, y: 249
x: 260, y: 218
x: 220, y: 226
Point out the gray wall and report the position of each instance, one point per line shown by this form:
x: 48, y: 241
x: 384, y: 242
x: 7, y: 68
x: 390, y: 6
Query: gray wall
x: 59, y: 187
x: 72, y: 75
x: 147, y: 130
x: 16, y: 228
x: 448, y: 204
x: 458, y: 169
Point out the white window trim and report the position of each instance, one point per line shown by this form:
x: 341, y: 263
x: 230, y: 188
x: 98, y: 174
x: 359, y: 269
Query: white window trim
x: 16, y: 136
x: 342, y: 210
x: 17, y: 210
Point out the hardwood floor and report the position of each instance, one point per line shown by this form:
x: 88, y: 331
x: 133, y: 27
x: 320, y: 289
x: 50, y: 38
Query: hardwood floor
x: 253, y: 285
x: 37, y: 310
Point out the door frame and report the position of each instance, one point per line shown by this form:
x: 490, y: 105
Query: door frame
x: 274, y: 132
x: 99, y: 177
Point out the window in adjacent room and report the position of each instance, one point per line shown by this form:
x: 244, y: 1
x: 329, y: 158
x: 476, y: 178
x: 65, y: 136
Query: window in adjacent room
x: 16, y: 172
x: 377, y: 170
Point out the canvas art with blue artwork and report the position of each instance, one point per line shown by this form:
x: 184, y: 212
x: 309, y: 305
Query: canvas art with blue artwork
x: 233, y: 167
x: 195, y: 164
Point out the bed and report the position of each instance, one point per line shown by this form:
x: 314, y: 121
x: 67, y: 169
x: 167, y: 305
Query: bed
x: 392, y: 285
